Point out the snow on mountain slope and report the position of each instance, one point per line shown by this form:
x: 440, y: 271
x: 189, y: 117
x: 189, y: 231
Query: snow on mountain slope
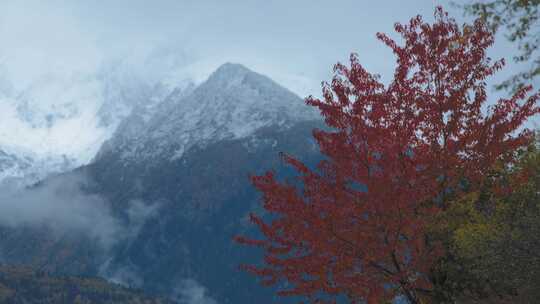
x: 41, y: 126
x: 59, y: 121
x: 233, y: 103
x: 20, y: 168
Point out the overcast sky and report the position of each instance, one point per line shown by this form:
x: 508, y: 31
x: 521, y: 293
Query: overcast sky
x: 296, y: 42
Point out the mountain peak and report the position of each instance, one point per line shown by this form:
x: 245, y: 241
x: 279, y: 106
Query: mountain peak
x: 233, y: 103
x: 230, y: 74
x: 231, y: 67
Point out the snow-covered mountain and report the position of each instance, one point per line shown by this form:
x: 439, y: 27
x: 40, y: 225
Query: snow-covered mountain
x: 20, y: 168
x: 233, y: 103
x: 58, y: 122
x: 174, y: 173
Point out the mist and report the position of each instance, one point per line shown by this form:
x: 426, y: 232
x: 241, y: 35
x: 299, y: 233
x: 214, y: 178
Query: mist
x: 62, y: 206
x: 190, y: 291
x: 70, y: 71
x: 65, y: 65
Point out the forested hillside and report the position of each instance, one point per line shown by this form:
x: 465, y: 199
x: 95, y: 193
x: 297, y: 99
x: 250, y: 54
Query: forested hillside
x: 22, y: 285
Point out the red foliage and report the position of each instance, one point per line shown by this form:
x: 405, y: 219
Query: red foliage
x: 412, y: 144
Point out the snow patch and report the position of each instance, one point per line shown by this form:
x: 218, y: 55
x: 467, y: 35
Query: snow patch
x: 233, y: 103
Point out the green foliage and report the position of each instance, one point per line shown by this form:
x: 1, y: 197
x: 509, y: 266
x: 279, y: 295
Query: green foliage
x: 521, y: 20
x: 493, y: 237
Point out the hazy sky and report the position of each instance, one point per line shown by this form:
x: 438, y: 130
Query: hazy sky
x: 294, y: 41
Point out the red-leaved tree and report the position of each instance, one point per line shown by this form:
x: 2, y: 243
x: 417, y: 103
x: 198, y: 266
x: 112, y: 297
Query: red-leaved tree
x: 394, y: 157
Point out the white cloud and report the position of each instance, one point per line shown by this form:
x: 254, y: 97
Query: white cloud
x: 190, y: 291
x: 61, y: 206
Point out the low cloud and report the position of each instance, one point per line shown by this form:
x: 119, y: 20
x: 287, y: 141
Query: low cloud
x: 190, y: 291
x: 61, y: 205
x: 138, y: 212
x: 125, y: 275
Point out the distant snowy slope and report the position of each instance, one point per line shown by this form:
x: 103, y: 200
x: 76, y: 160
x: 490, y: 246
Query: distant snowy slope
x: 233, y: 103
x: 59, y: 121
x: 20, y: 168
